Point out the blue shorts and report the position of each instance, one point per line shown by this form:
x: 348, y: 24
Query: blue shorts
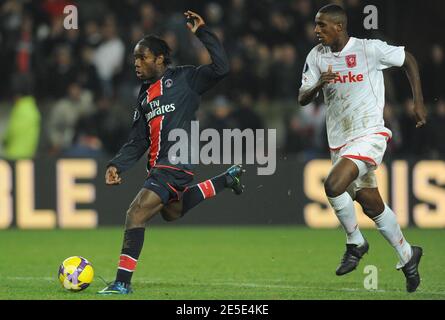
x: 168, y: 182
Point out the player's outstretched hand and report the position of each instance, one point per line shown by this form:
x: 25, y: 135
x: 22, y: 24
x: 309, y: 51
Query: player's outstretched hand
x: 112, y: 177
x: 327, y: 77
x: 419, y: 114
x: 194, y: 20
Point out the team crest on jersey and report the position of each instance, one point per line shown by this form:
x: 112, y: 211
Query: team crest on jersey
x: 351, y: 60
x: 168, y: 83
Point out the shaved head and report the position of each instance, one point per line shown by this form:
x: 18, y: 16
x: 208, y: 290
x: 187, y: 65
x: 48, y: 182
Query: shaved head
x: 336, y: 13
x: 331, y: 27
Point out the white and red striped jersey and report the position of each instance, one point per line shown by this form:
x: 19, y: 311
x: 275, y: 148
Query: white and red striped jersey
x: 355, y: 99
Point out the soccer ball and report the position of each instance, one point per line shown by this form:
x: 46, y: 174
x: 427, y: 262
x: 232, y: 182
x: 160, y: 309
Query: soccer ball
x: 76, y: 273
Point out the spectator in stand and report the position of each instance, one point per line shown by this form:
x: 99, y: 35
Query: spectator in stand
x: 283, y: 73
x: 62, y: 72
x: 220, y: 116
x: 21, y: 138
x: 111, y: 123
x: 109, y: 55
x: 245, y: 115
x: 214, y: 14
x: 433, y: 75
x: 87, y: 76
x: 87, y: 143
x: 93, y: 36
x: 64, y: 117
x: 437, y: 124
x: 414, y: 140
x: 264, y: 41
x: 149, y: 18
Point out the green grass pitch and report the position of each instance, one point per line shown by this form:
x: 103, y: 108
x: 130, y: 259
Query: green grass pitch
x: 208, y: 263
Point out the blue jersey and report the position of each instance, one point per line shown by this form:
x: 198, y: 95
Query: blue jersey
x: 169, y: 103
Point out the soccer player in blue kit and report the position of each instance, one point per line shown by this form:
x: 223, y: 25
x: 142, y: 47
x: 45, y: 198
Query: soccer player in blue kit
x: 168, y: 99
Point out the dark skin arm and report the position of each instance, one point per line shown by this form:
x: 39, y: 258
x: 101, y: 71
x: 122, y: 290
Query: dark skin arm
x: 412, y: 73
x: 305, y: 97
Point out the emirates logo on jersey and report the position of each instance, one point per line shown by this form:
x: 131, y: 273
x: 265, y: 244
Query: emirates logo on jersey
x: 158, y: 110
x: 351, y: 60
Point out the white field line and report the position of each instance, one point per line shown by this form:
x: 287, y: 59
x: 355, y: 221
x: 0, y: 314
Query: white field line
x: 225, y: 283
x: 277, y: 286
x: 31, y: 278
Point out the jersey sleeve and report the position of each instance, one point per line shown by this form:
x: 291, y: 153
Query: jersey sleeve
x: 387, y: 56
x: 136, y: 145
x: 204, y: 77
x: 311, y: 71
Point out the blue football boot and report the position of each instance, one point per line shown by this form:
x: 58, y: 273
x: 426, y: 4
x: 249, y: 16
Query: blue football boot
x: 116, y: 288
x: 233, y: 175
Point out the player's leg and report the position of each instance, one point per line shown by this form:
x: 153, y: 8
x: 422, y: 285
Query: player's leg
x: 386, y: 222
x: 207, y: 189
x: 172, y: 211
x: 145, y: 206
x: 344, y: 172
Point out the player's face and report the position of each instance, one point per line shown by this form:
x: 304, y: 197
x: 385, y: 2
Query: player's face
x: 144, y: 62
x: 326, y: 30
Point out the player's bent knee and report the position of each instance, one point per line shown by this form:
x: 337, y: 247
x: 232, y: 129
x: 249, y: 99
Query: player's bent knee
x: 167, y: 217
x: 134, y: 217
x: 371, y: 203
x: 372, y: 212
x: 369, y: 212
x: 170, y: 215
x: 371, y: 208
x: 332, y: 188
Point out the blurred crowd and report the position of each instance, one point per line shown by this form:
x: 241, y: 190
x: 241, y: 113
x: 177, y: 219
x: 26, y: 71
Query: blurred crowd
x: 72, y: 92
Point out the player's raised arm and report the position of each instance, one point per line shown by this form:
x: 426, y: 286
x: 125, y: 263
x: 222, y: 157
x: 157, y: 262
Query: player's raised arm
x: 412, y: 72
x: 206, y: 76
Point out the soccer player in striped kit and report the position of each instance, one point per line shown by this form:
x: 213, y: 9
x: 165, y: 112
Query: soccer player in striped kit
x: 349, y: 72
x: 168, y: 99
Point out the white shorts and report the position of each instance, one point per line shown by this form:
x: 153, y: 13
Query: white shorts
x: 367, y: 153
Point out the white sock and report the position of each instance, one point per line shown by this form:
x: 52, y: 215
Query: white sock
x: 387, y: 224
x: 344, y: 209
